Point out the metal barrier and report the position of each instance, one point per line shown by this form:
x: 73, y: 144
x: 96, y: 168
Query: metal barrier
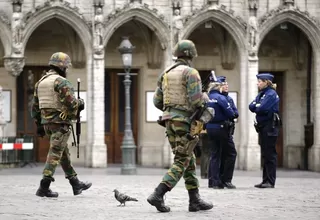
x: 17, y: 151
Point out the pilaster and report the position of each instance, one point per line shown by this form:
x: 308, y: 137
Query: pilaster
x: 314, y: 151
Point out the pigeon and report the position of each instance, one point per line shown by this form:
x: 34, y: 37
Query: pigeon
x: 122, y: 198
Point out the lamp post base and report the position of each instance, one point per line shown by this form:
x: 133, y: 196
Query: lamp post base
x: 129, y: 170
x: 128, y: 155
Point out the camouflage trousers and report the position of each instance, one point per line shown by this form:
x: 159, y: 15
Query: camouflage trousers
x: 58, y: 151
x: 184, y: 164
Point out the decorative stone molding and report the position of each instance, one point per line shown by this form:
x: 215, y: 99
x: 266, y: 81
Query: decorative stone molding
x: 129, y: 6
x: 271, y: 14
x: 14, y: 65
x: 223, y: 9
x: 4, y: 18
x: 253, y: 5
x: 288, y: 3
x: 53, y: 3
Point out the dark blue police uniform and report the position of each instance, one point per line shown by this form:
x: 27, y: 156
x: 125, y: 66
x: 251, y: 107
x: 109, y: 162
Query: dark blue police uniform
x: 266, y: 107
x: 218, y: 130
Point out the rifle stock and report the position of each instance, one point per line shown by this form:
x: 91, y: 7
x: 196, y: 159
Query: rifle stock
x: 78, y: 124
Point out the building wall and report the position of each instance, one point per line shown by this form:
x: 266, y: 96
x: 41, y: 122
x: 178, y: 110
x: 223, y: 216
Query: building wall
x: 70, y: 31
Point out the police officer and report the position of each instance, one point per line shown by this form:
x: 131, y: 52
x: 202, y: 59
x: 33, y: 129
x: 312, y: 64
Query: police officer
x: 229, y: 152
x: 178, y: 95
x: 266, y: 107
x: 218, y: 130
x: 54, y: 106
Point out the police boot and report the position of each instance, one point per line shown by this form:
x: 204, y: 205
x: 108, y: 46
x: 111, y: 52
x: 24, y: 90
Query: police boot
x: 196, y: 203
x: 78, y: 186
x: 156, y: 198
x: 44, y: 190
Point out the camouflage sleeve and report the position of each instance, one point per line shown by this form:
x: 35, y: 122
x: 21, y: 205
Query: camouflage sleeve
x: 158, y: 95
x: 158, y: 99
x: 67, y: 96
x: 35, y: 110
x: 194, y: 88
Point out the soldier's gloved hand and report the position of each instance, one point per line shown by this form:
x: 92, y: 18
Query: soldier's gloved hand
x: 40, y: 131
x: 236, y: 115
x: 81, y: 105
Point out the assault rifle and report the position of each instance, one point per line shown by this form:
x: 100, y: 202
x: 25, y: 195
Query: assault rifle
x: 78, y: 124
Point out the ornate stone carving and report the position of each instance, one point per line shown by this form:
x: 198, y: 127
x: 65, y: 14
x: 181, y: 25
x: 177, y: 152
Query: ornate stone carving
x: 177, y: 25
x: 4, y: 18
x: 17, y: 27
x: 53, y: 3
x: 253, y: 29
x: 213, y: 2
x: 253, y: 5
x: 14, y: 65
x: 288, y: 3
x: 223, y: 9
x: 120, y: 11
x: 271, y: 14
x: 98, y: 31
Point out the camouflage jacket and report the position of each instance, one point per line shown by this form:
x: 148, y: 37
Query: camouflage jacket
x: 66, y: 96
x: 194, y: 90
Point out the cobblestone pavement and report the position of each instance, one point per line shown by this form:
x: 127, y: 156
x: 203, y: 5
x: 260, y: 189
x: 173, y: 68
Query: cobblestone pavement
x: 296, y: 196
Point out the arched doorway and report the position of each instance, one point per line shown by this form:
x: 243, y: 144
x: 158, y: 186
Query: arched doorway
x: 218, y: 51
x: 51, y: 36
x: 147, y: 55
x: 286, y: 52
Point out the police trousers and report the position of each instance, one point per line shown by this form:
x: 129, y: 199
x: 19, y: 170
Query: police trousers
x: 223, y: 157
x: 58, y: 151
x: 267, y: 139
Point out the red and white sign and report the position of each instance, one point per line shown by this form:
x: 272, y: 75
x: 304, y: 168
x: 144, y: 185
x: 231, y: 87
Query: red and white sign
x: 16, y: 146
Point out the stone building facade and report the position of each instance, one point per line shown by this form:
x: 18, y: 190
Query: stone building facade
x: 236, y: 38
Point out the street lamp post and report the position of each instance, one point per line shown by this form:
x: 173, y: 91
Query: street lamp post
x: 128, y: 146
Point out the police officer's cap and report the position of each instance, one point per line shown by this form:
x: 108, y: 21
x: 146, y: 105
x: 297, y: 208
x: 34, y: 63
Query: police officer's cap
x: 222, y: 79
x: 265, y: 76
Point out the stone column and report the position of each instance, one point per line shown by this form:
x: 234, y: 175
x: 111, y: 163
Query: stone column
x: 2, y: 121
x: 251, y: 148
x: 99, y: 149
x: 314, y: 152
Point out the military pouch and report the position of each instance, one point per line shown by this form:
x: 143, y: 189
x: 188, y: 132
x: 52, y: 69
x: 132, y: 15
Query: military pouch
x: 187, y: 144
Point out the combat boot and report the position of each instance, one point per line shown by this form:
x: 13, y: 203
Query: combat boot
x: 196, y: 203
x: 156, y: 198
x: 78, y: 186
x: 44, y: 190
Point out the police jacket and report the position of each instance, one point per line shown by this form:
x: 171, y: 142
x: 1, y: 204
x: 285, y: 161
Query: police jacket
x: 233, y: 106
x: 265, y: 104
x: 222, y: 108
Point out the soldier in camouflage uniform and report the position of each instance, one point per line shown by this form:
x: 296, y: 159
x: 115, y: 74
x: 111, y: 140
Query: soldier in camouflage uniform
x: 178, y: 94
x: 54, y: 106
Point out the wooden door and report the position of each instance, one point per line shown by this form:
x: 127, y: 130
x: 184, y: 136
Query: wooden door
x: 115, y: 112
x: 25, y: 124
